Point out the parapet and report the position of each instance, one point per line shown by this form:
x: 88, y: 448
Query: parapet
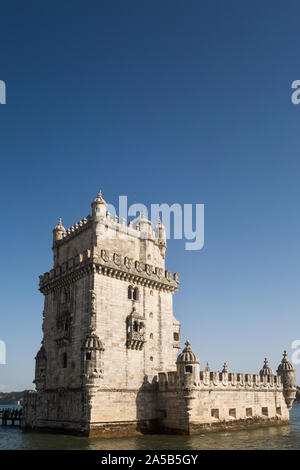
x: 74, y: 230
x: 110, y: 225
x: 113, y: 265
x: 221, y: 381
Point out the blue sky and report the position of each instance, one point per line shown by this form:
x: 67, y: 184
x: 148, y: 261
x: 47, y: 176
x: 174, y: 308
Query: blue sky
x: 174, y: 101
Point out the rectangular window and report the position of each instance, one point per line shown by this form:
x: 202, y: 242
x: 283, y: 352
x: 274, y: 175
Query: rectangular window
x: 215, y: 413
x: 264, y: 411
x: 278, y: 410
x: 188, y: 369
x: 64, y: 360
x: 248, y: 412
x: 232, y: 412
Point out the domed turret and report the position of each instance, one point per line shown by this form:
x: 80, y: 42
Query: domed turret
x: 145, y: 226
x: 188, y: 365
x: 91, y: 363
x: 92, y: 341
x: 287, y: 373
x: 99, y: 206
x: 58, y: 231
x: 266, y: 369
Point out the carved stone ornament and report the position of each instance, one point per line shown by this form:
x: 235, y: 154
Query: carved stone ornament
x: 117, y: 259
x: 159, y: 272
x: 138, y: 266
x: 104, y: 255
x: 148, y: 269
x: 127, y: 262
x: 93, y: 301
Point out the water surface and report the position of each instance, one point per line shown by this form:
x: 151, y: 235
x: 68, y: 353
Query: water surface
x: 278, y: 437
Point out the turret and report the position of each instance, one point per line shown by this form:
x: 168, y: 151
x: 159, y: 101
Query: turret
x: 288, y: 377
x: 145, y: 226
x: 161, y: 237
x: 91, y: 361
x: 188, y: 367
x: 98, y: 207
x: 266, y: 369
x: 58, y: 232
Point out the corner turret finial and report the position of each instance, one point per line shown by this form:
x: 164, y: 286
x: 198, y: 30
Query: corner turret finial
x: 225, y: 368
x: 59, y: 227
x: 266, y: 370
x: 187, y: 343
x: 207, y: 367
x: 99, y: 199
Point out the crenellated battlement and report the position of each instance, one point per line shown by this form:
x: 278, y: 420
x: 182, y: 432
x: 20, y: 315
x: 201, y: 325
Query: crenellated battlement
x: 113, y: 264
x: 220, y: 380
x: 75, y: 229
x: 110, y: 227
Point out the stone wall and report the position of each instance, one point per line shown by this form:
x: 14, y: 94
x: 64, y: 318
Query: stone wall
x: 220, y: 400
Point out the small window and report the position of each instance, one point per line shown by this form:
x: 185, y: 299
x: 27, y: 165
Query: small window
x: 176, y: 336
x: 151, y: 358
x: 278, y: 410
x: 151, y: 315
x: 135, y: 326
x: 151, y: 335
x: 88, y: 356
x: 135, y: 294
x: 215, y: 413
x: 264, y: 411
x: 130, y: 292
x: 188, y: 369
x: 64, y: 360
x: 232, y: 412
x: 248, y: 412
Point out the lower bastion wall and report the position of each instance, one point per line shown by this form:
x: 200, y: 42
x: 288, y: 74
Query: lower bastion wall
x: 123, y: 412
x: 218, y: 401
x: 57, y: 410
x: 174, y: 405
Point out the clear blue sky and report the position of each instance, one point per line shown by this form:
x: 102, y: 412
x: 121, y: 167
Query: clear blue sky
x: 180, y: 101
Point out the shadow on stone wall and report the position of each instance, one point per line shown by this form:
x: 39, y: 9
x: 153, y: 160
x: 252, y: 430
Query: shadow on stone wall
x: 146, y: 407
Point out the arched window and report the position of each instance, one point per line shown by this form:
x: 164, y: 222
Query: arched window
x: 135, y: 294
x: 130, y: 292
x: 88, y: 356
x: 135, y: 326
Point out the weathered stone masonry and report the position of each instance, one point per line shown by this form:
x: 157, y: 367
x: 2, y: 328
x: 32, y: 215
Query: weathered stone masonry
x: 110, y: 343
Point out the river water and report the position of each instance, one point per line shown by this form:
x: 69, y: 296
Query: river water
x: 278, y: 437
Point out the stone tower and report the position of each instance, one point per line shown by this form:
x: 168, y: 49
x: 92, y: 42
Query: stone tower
x: 108, y: 325
x: 108, y: 361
